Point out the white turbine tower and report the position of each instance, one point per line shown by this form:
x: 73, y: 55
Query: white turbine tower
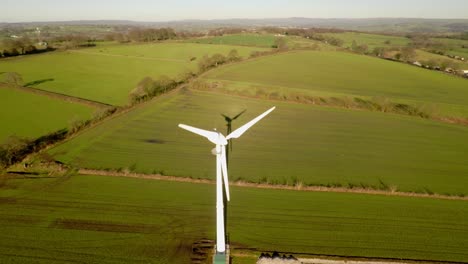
x: 221, y: 170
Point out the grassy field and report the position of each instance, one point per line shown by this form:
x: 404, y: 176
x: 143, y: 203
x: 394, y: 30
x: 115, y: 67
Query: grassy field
x: 294, y: 42
x: 371, y: 40
x: 297, y: 144
x: 343, y: 74
x: 96, y: 219
x: 257, y: 40
x: 455, y: 47
x: 425, y: 56
x: 30, y: 115
x: 108, y: 74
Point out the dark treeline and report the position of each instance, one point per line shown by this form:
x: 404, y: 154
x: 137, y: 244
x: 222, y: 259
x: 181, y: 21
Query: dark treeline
x: 138, y: 34
x: 225, y: 31
x: 21, y: 46
x: 309, y: 33
x: 16, y: 149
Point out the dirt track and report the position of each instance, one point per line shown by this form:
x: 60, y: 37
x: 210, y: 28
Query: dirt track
x: 270, y: 186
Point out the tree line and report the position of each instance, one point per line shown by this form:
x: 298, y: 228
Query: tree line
x: 148, y: 87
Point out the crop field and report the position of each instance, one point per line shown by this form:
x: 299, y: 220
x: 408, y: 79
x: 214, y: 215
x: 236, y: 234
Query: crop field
x: 371, y: 40
x: 121, y: 220
x: 257, y: 40
x: 343, y: 74
x: 108, y: 74
x: 30, y: 115
x: 298, y: 144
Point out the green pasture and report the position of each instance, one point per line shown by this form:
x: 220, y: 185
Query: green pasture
x: 371, y: 40
x: 30, y: 115
x: 297, y: 144
x: 456, y: 47
x: 344, y: 74
x: 257, y: 40
x: 440, y: 60
x: 108, y: 74
x: 294, y: 42
x: 96, y: 219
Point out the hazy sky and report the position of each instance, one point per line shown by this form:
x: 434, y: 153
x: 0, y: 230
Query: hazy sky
x: 155, y: 10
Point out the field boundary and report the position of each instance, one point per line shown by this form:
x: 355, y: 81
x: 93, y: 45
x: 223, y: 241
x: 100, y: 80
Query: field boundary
x: 310, y: 101
x: 56, y: 95
x: 268, y: 186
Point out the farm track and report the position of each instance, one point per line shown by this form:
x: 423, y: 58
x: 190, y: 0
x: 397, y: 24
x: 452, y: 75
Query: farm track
x: 60, y: 96
x: 270, y: 186
x: 127, y: 56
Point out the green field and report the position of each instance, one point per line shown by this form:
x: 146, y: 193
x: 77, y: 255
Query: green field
x: 455, y: 47
x: 440, y: 60
x: 371, y: 40
x: 108, y: 74
x: 343, y: 74
x: 298, y: 143
x: 96, y: 219
x: 30, y: 115
x: 257, y: 40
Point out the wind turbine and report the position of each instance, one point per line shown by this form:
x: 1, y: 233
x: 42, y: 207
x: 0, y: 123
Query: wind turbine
x: 221, y: 170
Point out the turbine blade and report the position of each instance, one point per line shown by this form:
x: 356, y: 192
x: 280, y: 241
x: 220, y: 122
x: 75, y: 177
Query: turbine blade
x: 238, y: 132
x: 210, y: 135
x: 237, y: 116
x: 225, y: 171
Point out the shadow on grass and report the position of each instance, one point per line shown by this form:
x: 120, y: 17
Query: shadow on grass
x: 34, y: 83
x: 154, y: 141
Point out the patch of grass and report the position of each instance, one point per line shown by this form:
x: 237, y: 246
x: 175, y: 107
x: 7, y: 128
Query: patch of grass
x: 296, y: 143
x: 122, y: 220
x: 256, y: 40
x: 31, y: 115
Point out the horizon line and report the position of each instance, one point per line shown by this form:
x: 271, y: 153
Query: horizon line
x: 230, y: 18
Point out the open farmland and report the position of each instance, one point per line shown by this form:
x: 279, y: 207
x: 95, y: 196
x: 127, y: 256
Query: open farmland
x: 341, y: 74
x: 371, y: 40
x: 299, y: 144
x: 443, y: 61
x: 257, y: 40
x: 108, y: 74
x: 121, y: 220
x: 31, y: 115
x: 455, y: 47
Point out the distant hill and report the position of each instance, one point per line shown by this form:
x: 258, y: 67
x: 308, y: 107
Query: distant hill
x: 364, y: 24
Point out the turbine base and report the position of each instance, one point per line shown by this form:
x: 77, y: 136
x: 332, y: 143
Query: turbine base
x: 222, y: 257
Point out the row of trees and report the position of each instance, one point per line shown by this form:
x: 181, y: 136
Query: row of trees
x: 149, y: 87
x: 143, y: 35
x: 18, y: 46
x: 207, y: 62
